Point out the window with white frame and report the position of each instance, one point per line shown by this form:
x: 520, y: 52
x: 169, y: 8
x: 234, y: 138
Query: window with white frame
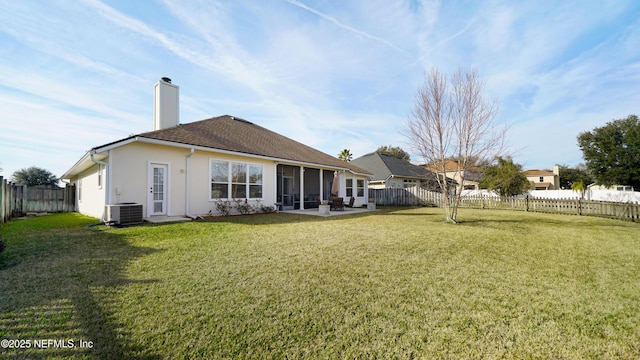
x: 409, y: 183
x: 99, y: 176
x: 238, y: 181
x: 360, y: 187
x: 219, y: 179
x: 232, y: 180
x: 255, y: 181
x: 349, y: 188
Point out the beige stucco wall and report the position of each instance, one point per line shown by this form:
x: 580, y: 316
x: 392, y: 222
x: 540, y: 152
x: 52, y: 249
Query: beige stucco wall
x: 90, y: 195
x: 200, y: 188
x: 130, y: 174
x: 129, y: 179
x: 551, y: 178
x: 130, y: 164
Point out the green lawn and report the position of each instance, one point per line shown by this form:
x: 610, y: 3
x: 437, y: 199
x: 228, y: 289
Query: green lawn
x: 397, y: 283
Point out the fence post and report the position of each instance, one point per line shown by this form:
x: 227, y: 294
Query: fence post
x: 25, y: 200
x: 13, y: 197
x: 579, y: 206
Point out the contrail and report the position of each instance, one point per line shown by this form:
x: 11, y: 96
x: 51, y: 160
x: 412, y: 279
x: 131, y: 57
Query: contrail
x: 346, y: 27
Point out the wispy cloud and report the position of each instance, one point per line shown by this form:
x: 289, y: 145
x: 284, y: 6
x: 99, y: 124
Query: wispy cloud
x: 333, y: 75
x: 347, y: 27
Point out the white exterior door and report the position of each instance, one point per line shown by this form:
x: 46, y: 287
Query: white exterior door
x: 157, y: 189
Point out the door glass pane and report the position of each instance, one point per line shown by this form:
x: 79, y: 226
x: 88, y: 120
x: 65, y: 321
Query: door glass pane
x: 158, y: 184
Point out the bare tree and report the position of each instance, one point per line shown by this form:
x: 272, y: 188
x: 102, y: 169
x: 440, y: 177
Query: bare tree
x: 453, y: 120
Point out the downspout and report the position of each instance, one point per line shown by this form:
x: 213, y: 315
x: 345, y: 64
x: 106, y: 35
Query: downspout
x: 187, y: 186
x: 387, y: 179
x: 107, y: 183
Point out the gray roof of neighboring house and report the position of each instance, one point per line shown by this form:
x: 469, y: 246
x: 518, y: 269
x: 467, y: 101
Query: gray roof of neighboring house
x: 383, y: 166
x: 233, y: 134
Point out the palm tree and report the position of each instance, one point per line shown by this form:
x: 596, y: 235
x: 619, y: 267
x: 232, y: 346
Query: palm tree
x: 579, y: 187
x: 345, y: 155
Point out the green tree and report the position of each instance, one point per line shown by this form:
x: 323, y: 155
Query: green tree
x: 33, y: 176
x: 345, y: 155
x: 505, y: 177
x: 612, y: 152
x: 570, y: 176
x: 395, y: 151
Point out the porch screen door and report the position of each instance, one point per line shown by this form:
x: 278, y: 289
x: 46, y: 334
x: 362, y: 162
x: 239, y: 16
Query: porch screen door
x: 157, y: 199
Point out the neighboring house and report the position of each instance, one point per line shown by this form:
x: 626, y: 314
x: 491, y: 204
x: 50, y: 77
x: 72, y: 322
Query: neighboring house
x: 544, y: 179
x: 612, y: 187
x: 392, y: 172
x: 185, y: 169
x: 471, y: 174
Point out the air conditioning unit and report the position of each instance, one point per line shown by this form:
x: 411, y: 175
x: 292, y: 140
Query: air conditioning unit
x: 123, y: 214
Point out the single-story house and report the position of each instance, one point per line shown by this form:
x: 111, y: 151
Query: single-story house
x: 185, y: 169
x: 544, y: 179
x: 392, y: 172
x: 595, y: 186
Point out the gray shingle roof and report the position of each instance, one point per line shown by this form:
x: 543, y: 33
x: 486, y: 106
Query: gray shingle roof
x: 382, y: 166
x: 238, y: 135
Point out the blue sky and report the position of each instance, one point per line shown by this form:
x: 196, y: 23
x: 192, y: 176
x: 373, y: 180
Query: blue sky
x: 330, y: 74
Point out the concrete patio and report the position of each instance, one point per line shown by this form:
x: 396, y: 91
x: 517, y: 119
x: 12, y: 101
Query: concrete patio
x: 316, y: 212
x: 165, y: 219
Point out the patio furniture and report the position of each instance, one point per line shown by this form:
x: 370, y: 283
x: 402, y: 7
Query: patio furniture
x: 337, y: 203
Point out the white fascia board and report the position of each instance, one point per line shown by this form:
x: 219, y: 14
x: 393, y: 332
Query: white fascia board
x: 78, y: 167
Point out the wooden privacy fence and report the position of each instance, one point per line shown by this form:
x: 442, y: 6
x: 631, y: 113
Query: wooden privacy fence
x: 18, y: 200
x: 415, y: 196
